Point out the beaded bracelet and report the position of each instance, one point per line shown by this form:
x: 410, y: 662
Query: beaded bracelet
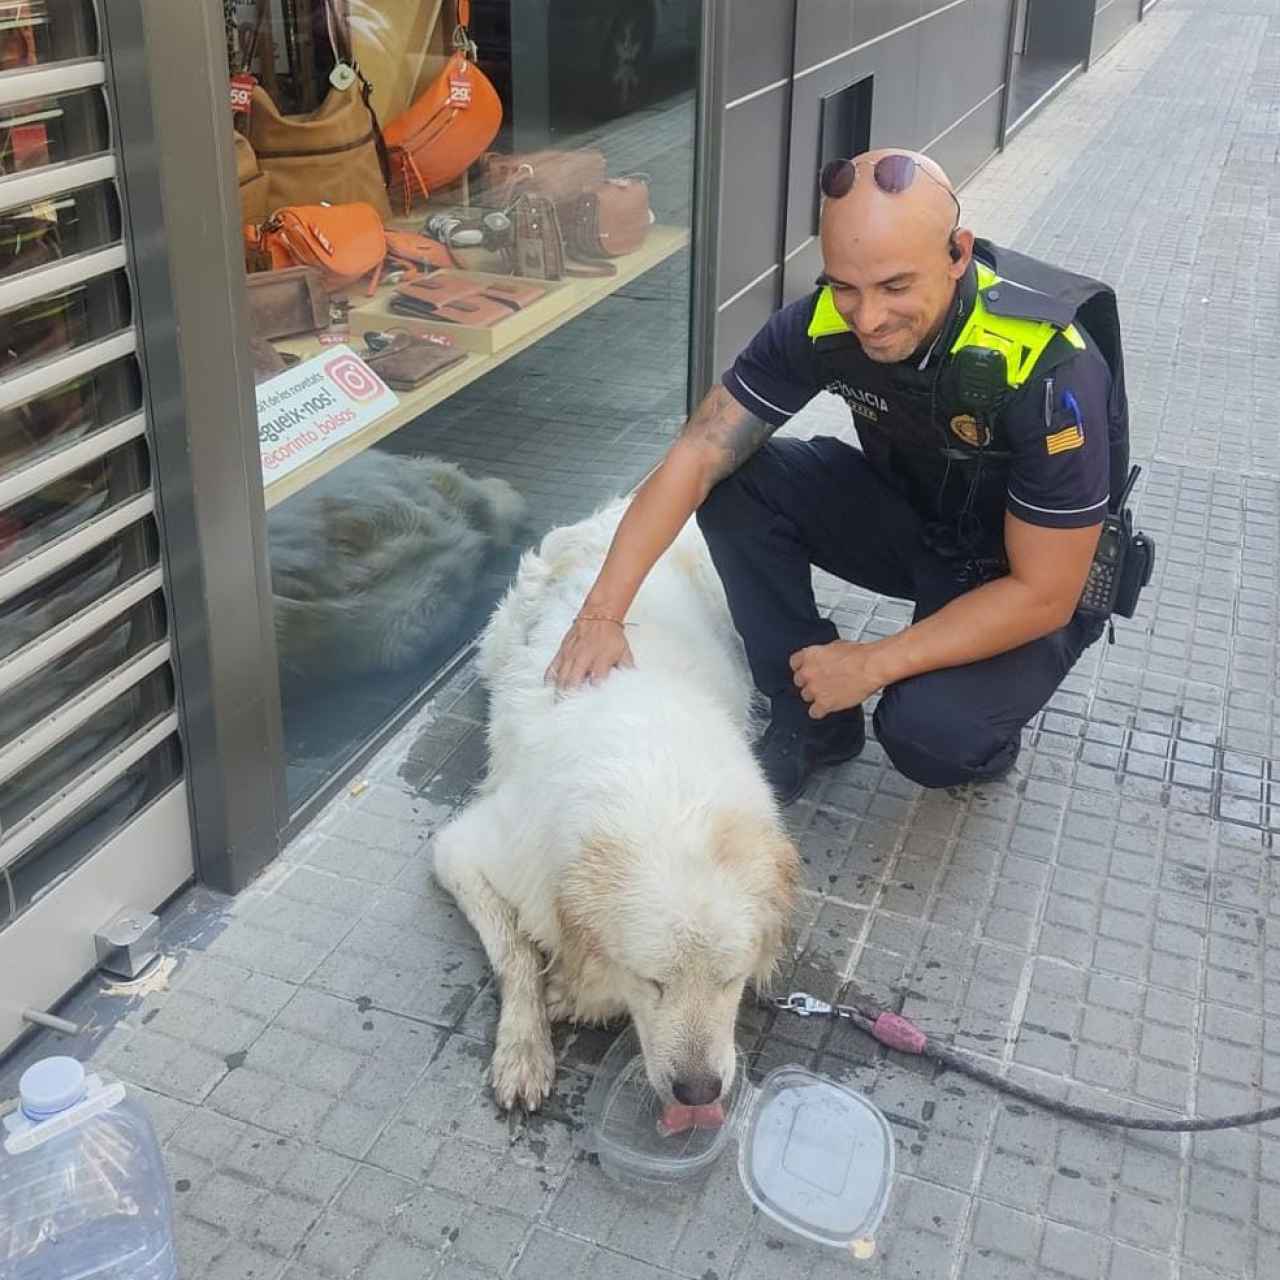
x: 600, y: 617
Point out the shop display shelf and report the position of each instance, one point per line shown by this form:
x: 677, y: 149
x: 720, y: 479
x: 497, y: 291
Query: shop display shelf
x: 569, y: 299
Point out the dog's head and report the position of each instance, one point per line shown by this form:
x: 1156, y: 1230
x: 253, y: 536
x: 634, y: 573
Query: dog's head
x: 676, y: 933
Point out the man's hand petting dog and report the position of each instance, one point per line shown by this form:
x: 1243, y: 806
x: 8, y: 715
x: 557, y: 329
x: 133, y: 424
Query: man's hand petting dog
x: 836, y: 676
x: 589, y: 651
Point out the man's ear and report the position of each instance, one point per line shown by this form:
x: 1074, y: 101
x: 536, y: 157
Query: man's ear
x: 961, y: 249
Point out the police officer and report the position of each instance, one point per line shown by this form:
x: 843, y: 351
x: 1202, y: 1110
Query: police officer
x: 987, y: 395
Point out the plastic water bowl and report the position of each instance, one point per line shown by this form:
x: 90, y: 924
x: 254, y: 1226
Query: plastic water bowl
x: 815, y: 1156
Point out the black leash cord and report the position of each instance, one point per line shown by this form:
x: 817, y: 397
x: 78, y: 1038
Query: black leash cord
x: 899, y: 1033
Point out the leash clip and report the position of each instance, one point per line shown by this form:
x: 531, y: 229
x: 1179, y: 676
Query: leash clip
x: 804, y: 1004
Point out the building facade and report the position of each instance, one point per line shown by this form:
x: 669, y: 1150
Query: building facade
x: 280, y: 405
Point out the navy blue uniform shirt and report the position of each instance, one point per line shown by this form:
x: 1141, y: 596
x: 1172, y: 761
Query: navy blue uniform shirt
x: 1050, y: 477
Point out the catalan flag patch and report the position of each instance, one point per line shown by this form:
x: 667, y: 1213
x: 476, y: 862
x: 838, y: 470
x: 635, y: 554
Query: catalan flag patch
x: 1071, y: 437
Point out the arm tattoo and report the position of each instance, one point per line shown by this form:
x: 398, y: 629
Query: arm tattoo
x: 721, y: 424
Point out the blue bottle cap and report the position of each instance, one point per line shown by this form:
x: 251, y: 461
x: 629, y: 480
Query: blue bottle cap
x: 49, y: 1086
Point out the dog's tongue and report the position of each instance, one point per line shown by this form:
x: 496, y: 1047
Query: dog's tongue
x: 677, y: 1118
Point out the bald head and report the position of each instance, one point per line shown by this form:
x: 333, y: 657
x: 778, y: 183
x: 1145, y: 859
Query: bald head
x: 888, y: 255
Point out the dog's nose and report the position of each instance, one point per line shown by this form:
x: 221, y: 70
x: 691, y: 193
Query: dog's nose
x: 697, y: 1091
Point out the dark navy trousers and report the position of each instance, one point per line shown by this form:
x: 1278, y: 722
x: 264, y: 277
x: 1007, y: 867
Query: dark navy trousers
x: 800, y: 503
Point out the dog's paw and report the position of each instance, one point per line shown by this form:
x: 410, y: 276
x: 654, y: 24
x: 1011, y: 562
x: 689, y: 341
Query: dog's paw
x: 523, y: 1070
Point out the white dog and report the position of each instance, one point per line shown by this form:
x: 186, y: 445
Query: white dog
x: 624, y: 854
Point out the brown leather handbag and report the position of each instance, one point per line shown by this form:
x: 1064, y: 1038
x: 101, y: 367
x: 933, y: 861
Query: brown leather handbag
x: 561, y: 176
x: 610, y: 219
x: 333, y: 155
x: 539, y: 241
x: 328, y: 156
x: 447, y: 128
x: 253, y: 182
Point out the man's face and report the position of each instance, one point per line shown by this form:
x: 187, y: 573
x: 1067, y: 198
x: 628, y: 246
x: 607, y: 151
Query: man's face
x: 894, y: 302
x: 887, y: 260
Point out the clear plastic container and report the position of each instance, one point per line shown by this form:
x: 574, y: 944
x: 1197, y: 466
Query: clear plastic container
x: 818, y: 1158
x: 83, y: 1190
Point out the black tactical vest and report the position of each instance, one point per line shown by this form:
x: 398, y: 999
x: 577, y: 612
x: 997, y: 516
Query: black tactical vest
x: 910, y: 422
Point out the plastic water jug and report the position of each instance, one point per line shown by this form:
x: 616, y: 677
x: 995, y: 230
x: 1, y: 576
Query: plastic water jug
x: 83, y: 1189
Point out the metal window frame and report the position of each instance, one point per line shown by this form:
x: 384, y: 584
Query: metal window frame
x: 167, y: 83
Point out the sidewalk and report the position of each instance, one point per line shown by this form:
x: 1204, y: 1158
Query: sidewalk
x: 1100, y: 925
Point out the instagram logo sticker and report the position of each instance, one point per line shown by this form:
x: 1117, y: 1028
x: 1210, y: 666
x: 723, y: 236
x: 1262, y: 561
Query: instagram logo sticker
x: 354, y: 378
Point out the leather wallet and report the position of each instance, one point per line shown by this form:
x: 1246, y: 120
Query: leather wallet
x: 517, y: 294
x: 477, y: 311
x: 439, y: 288
x: 409, y: 360
x: 267, y: 361
x: 455, y: 298
x: 288, y: 302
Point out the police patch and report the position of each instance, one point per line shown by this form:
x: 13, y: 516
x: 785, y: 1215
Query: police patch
x: 1071, y: 437
x: 974, y: 433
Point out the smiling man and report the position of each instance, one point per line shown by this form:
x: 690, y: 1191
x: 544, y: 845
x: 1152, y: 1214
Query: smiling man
x: 987, y: 393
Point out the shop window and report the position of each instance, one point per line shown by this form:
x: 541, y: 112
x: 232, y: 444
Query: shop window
x: 484, y: 334
x: 844, y: 129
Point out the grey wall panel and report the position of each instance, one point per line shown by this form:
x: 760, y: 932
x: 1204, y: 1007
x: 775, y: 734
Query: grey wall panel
x: 949, y: 47
x: 962, y: 61
x: 760, y: 36
x: 753, y: 158
x: 801, y: 271
x: 969, y: 145
x: 893, y: 64
x: 823, y: 28
x: 1112, y: 20
x: 873, y: 19
x: 741, y: 319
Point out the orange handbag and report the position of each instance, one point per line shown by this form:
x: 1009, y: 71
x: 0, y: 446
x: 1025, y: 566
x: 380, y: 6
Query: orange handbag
x: 345, y: 241
x: 413, y: 250
x: 448, y: 128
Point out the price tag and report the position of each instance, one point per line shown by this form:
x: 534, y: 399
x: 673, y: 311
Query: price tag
x: 459, y: 91
x: 342, y: 77
x: 242, y: 86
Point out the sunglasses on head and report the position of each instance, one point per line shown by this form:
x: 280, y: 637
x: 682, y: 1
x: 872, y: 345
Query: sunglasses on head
x: 893, y: 174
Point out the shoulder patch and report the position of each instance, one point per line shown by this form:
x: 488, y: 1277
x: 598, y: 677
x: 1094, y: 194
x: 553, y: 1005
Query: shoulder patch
x: 1071, y: 437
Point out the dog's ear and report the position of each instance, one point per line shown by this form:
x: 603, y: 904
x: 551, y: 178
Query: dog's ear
x: 584, y: 888
x: 766, y: 864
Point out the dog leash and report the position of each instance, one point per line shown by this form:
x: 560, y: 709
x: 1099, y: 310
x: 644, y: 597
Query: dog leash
x: 903, y: 1036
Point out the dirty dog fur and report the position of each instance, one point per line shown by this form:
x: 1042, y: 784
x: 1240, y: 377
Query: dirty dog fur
x: 376, y: 563
x: 624, y: 854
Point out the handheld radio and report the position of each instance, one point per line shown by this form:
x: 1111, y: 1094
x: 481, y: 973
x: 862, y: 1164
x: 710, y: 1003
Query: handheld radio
x: 1122, y: 563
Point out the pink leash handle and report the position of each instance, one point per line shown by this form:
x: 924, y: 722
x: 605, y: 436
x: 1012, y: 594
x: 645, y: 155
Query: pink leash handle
x: 894, y: 1030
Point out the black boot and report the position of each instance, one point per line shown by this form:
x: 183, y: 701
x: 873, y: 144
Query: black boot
x: 791, y: 748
